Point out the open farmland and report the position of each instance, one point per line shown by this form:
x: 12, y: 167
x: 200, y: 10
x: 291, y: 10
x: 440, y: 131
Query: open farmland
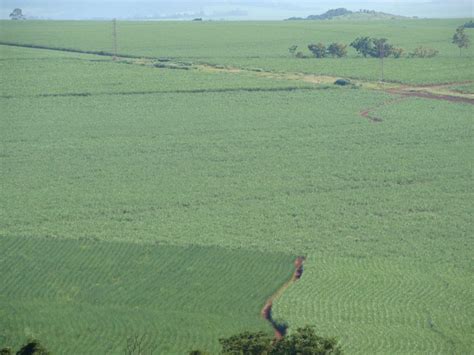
x: 144, y: 200
x: 263, y: 45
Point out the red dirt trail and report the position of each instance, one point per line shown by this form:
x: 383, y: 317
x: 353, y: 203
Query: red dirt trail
x: 267, y: 308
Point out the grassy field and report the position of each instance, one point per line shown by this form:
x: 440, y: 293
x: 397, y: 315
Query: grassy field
x: 186, y: 193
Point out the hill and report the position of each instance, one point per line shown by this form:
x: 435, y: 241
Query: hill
x: 344, y: 14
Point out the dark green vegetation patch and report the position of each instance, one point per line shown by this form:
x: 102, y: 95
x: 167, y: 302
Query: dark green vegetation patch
x: 84, y: 297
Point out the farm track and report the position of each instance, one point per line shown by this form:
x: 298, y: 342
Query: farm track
x: 280, y: 329
x: 368, y: 113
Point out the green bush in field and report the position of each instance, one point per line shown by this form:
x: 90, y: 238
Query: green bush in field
x: 306, y: 341
x: 423, y: 52
x: 338, y: 50
x: 301, y: 55
x: 376, y: 47
x: 32, y: 347
x: 303, y: 341
x: 247, y: 343
x: 318, y: 50
x: 363, y: 45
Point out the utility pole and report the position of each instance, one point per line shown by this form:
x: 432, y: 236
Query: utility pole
x: 114, y: 34
x: 382, y: 55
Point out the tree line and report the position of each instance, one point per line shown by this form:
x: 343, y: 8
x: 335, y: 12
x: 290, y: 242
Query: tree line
x: 378, y: 48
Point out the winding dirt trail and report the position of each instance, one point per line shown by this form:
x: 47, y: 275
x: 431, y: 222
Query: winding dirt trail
x: 368, y: 113
x: 280, y: 329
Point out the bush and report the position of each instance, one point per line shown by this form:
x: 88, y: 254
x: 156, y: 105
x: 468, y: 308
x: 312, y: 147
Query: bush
x: 301, y: 55
x: 303, y: 341
x: 363, y: 45
x: 33, y: 347
x: 342, y: 82
x: 469, y: 24
x: 318, y: 50
x: 423, y: 52
x: 246, y: 343
x: 397, y: 52
x: 337, y: 50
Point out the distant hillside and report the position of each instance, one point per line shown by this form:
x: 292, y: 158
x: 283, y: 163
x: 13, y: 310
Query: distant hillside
x: 344, y: 14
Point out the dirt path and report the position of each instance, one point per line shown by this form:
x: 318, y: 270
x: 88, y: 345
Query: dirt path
x: 368, y: 113
x: 280, y: 329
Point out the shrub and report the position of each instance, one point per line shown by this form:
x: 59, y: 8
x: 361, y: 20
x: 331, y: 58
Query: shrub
x: 303, y: 341
x: 301, y: 55
x: 423, y: 52
x: 363, y: 45
x: 318, y: 50
x: 397, y: 52
x: 33, y: 346
x: 337, y: 50
x: 246, y: 343
x: 469, y: 24
x: 342, y: 82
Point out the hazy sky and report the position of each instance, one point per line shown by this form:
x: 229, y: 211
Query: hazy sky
x: 228, y: 9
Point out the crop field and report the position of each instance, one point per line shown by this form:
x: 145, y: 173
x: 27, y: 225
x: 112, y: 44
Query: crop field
x: 167, y: 193
x: 87, y: 296
x: 263, y: 45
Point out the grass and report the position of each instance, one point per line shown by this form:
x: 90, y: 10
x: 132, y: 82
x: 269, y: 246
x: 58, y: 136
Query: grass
x: 136, y: 160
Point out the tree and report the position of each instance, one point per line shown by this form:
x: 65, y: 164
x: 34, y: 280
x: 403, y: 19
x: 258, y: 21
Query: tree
x: 306, y: 341
x: 363, y: 45
x: 461, y: 39
x: 303, y: 341
x: 381, y: 49
x: 33, y: 347
x: 17, y: 14
x: 318, y: 50
x: 337, y: 50
x: 247, y: 343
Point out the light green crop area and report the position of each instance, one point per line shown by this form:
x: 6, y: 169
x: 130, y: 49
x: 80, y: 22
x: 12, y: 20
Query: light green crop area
x: 141, y: 200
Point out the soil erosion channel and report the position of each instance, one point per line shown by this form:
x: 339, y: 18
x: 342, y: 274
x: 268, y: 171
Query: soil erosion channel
x: 279, y: 328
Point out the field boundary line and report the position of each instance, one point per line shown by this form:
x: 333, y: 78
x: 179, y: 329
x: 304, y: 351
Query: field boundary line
x: 280, y: 328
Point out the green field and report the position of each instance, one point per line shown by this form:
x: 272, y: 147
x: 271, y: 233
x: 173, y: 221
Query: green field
x: 89, y: 297
x: 144, y: 200
x: 263, y: 45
